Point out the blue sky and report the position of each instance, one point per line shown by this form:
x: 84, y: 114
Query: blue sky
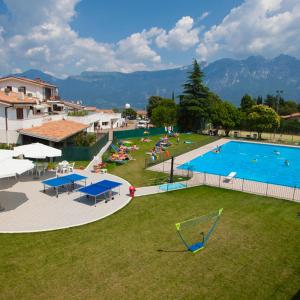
x: 64, y: 37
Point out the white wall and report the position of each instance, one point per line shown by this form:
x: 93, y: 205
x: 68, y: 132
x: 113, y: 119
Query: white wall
x: 35, y: 90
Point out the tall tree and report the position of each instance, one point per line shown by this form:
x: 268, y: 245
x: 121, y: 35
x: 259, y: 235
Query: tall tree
x: 246, y: 103
x: 259, y: 100
x: 194, y: 105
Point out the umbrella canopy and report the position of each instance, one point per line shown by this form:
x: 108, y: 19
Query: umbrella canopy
x: 37, y: 150
x: 12, y: 167
x: 4, y: 154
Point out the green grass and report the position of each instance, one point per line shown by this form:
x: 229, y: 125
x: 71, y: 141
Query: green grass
x: 78, y: 164
x: 135, y: 254
x: 134, y: 171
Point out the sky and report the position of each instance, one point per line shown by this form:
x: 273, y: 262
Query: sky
x: 66, y: 37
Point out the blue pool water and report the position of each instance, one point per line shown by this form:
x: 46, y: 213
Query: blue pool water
x: 172, y: 186
x: 258, y: 162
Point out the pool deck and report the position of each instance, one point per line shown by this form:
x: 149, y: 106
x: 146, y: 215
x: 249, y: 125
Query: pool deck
x: 28, y: 209
x: 198, y: 178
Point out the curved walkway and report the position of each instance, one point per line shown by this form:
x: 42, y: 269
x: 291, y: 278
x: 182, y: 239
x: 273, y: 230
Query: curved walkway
x: 28, y: 209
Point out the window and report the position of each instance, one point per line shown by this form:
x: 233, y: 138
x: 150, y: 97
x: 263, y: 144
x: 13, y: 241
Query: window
x: 20, y: 114
x: 22, y: 89
x: 8, y: 89
x: 104, y: 123
x: 47, y: 92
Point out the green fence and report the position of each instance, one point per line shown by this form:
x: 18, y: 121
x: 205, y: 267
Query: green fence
x: 75, y: 153
x: 140, y: 132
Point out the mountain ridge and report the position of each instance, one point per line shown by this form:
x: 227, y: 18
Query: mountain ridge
x: 229, y: 78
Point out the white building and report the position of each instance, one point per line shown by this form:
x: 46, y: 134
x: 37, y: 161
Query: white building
x: 28, y: 106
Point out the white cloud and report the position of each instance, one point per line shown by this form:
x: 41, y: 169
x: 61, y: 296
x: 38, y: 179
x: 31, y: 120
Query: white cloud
x: 183, y: 36
x: 137, y: 46
x: 43, y: 38
x: 265, y: 27
x: 204, y: 15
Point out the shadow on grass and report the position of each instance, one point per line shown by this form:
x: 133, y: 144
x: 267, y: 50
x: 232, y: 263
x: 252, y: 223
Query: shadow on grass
x: 296, y: 296
x: 171, y: 251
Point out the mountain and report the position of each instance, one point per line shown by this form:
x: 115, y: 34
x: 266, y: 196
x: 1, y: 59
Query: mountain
x: 229, y: 78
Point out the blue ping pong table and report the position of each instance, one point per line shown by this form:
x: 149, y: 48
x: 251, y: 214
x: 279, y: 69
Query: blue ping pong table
x: 67, y: 180
x: 99, y: 188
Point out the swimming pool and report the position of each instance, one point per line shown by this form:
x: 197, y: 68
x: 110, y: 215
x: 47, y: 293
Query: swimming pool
x: 259, y: 162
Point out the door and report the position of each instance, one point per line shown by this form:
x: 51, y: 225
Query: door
x: 20, y: 115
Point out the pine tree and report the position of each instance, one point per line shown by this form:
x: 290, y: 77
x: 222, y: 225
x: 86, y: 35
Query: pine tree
x: 194, y: 105
x: 194, y: 87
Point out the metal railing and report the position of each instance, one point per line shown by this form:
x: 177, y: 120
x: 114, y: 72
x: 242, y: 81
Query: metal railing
x: 238, y: 184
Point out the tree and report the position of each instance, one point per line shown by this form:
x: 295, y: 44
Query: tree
x: 155, y: 101
x: 129, y: 113
x: 259, y: 100
x: 246, y: 103
x: 226, y: 116
x: 194, y: 104
x: 289, y: 126
x: 287, y: 108
x: 262, y: 118
x: 164, y: 116
x: 271, y: 101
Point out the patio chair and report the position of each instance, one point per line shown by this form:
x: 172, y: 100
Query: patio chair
x: 57, y: 170
x: 39, y: 170
x: 71, y: 167
x: 45, y: 166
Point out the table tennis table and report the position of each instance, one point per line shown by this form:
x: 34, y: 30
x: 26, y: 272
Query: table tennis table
x: 99, y: 188
x: 67, y: 180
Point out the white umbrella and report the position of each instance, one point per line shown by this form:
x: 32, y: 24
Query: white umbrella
x: 37, y: 150
x: 4, y: 154
x: 12, y: 167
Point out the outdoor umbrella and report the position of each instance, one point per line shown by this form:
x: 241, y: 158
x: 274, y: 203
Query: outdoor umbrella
x: 37, y: 150
x: 11, y: 167
x: 4, y: 154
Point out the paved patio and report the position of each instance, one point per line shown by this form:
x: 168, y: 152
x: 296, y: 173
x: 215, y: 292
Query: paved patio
x: 28, y: 209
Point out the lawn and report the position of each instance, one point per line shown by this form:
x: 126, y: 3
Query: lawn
x: 134, y: 171
x: 135, y: 254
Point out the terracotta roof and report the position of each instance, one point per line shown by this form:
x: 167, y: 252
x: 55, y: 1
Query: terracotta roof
x: 72, y: 105
x: 55, y: 131
x: 294, y: 115
x: 14, y: 98
x: 32, y: 81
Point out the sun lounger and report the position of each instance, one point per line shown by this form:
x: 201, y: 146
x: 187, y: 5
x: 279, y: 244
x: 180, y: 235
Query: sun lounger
x: 230, y: 176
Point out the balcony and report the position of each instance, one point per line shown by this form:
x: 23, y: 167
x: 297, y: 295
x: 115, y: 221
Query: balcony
x: 35, y: 120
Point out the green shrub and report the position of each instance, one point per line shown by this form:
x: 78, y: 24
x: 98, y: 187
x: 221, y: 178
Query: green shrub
x: 85, y: 139
x: 6, y: 146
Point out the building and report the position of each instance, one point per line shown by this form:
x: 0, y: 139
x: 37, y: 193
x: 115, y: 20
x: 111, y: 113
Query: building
x: 34, y: 106
x: 32, y: 88
x: 294, y: 116
x: 142, y: 114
